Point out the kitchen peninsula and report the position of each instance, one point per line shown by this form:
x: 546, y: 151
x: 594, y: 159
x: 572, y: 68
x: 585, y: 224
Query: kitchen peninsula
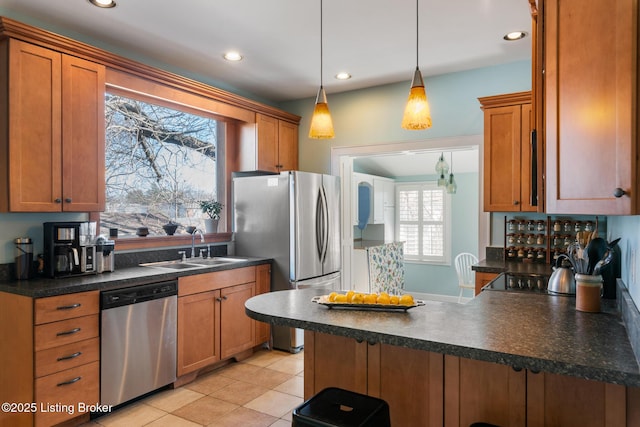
x: 504, y: 358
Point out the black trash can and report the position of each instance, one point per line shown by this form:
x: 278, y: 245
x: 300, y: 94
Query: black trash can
x: 335, y: 407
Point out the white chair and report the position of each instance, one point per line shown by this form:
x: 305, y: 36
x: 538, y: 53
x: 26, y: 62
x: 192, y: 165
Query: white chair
x: 466, y: 277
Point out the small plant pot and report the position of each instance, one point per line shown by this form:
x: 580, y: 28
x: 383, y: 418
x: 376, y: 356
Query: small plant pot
x: 211, y: 225
x: 170, y: 229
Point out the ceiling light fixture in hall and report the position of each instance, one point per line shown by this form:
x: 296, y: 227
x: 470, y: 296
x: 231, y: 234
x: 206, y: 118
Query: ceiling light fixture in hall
x: 452, y: 187
x: 232, y: 56
x: 417, y: 114
x: 321, y: 123
x: 442, y: 167
x: 105, y: 4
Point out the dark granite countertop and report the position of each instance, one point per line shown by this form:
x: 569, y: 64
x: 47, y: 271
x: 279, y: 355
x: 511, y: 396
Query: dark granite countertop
x: 125, y: 277
x: 499, y: 266
x: 537, y: 332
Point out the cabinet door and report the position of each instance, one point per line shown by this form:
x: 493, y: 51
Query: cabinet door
x: 263, y: 285
x: 410, y: 381
x: 477, y: 391
x: 83, y: 135
x: 287, y: 146
x: 198, y: 331
x: 334, y: 361
x: 267, y: 136
x: 590, y: 103
x: 502, y: 159
x: 560, y: 400
x: 34, y: 145
x: 237, y: 330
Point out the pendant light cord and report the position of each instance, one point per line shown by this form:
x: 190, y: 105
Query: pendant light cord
x: 417, y: 30
x: 321, y: 54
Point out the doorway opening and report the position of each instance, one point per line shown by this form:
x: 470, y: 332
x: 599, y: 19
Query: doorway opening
x: 402, y: 162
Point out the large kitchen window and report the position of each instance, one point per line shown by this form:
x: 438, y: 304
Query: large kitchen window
x: 161, y: 161
x: 424, y: 222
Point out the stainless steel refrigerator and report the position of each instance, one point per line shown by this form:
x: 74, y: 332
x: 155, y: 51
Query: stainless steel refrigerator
x: 294, y: 218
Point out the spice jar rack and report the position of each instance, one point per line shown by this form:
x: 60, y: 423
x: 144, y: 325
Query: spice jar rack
x: 543, y: 241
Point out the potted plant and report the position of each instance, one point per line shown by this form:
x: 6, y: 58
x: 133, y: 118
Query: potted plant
x: 212, y: 208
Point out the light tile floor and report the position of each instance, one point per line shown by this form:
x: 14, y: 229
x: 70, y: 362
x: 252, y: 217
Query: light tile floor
x: 260, y: 391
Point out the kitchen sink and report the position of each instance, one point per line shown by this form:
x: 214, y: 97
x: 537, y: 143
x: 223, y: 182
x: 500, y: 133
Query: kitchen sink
x: 173, y: 265
x: 193, y: 263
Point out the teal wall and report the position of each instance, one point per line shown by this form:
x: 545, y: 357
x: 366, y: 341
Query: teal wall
x: 373, y: 115
x: 442, y: 279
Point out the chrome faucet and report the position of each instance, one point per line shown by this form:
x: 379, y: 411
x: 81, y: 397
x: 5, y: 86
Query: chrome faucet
x: 193, y: 241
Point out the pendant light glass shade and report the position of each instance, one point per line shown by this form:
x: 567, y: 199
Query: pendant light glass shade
x: 321, y: 123
x: 452, y: 187
x: 442, y: 181
x: 417, y: 114
x: 442, y: 167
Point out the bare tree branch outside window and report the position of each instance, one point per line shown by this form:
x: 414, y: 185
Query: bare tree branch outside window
x: 159, y: 163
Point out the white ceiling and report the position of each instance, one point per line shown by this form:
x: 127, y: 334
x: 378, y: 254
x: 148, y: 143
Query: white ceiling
x: 418, y: 163
x: 374, y: 40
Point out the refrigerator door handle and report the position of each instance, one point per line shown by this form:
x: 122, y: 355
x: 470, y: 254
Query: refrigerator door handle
x: 322, y: 225
x: 319, y: 226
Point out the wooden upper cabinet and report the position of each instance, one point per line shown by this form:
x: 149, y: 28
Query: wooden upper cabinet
x: 276, y: 145
x: 54, y: 148
x: 508, y: 168
x: 287, y: 146
x: 590, y: 101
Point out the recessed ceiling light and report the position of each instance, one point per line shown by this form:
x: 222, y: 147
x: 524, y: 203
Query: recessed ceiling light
x: 232, y: 56
x: 343, y: 75
x: 103, y: 3
x: 515, y: 35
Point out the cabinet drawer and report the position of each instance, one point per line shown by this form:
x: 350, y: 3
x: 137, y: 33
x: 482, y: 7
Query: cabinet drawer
x: 65, y: 332
x: 69, y: 387
x: 63, y: 307
x: 67, y: 356
x: 217, y: 280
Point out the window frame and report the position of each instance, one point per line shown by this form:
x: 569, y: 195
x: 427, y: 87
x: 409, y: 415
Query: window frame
x: 445, y: 259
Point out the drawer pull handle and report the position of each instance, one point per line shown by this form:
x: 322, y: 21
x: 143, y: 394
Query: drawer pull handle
x: 71, y: 332
x: 75, y: 380
x: 71, y: 356
x: 69, y: 307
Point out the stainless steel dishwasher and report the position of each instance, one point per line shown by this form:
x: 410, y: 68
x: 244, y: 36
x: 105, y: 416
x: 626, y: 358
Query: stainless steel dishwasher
x: 138, y: 340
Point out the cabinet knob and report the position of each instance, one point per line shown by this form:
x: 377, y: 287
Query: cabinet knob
x: 67, y: 200
x: 57, y: 200
x: 619, y: 192
x: 516, y: 202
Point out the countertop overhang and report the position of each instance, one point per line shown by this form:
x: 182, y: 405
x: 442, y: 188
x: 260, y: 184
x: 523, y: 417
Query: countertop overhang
x: 536, y: 332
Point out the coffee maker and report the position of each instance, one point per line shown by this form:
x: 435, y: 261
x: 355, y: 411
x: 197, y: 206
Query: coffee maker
x: 68, y: 249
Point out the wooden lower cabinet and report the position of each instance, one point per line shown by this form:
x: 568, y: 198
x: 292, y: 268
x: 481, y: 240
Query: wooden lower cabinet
x: 410, y: 381
x: 212, y: 323
x: 482, y: 279
x: 198, y: 337
x: 50, y: 356
x: 476, y: 391
x: 429, y: 389
x: 263, y: 285
x: 559, y: 400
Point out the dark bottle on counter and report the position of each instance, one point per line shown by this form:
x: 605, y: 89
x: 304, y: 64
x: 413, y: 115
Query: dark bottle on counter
x: 23, y: 257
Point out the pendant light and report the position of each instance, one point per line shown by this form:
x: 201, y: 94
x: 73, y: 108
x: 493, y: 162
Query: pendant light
x: 452, y: 187
x: 417, y: 114
x: 442, y: 167
x: 321, y: 123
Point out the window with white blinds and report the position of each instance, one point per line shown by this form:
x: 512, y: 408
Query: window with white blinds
x: 423, y: 222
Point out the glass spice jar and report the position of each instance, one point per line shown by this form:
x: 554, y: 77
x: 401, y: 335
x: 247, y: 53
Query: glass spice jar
x: 531, y: 225
x: 540, y: 225
x: 577, y: 227
x: 540, y: 239
x: 557, y: 226
x: 511, y: 225
x: 567, y: 226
